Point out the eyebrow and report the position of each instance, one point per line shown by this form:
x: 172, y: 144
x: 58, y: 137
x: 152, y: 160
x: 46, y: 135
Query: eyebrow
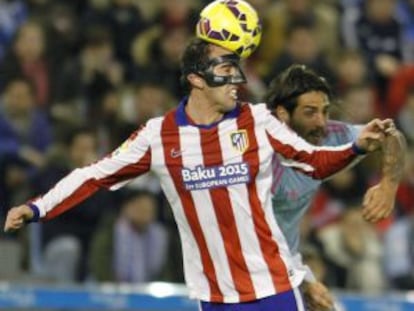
x: 314, y: 107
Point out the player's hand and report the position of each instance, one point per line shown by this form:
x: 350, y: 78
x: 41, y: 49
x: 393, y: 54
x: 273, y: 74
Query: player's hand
x: 372, y: 135
x: 379, y: 201
x: 17, y: 217
x: 390, y: 128
x: 317, y: 296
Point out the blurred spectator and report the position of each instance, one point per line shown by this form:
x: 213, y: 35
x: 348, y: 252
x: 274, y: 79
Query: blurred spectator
x: 351, y: 71
x: 405, y: 13
x: 134, y: 242
x: 111, y: 126
x: 405, y: 118
x: 399, y: 88
x: 157, y: 56
x: 302, y: 48
x: 126, y: 22
x: 12, y: 14
x: 330, y: 201
x: 96, y: 12
x: 40, y: 9
x: 405, y: 193
x: 63, y: 31
x: 148, y: 8
x: 314, y: 255
x: 151, y: 99
x: 377, y: 33
x: 24, y: 130
x: 342, y: 5
x: 25, y: 135
x: 63, y: 238
x: 358, y: 105
x: 399, y: 253
x: 27, y: 57
x: 354, y: 245
x: 276, y: 23
x: 123, y: 18
x: 177, y: 14
x: 84, y: 80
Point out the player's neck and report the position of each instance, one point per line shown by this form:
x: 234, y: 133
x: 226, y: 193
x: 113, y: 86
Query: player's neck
x: 201, y: 111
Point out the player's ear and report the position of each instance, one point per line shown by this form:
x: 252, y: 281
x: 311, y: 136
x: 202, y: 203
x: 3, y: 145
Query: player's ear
x: 282, y: 114
x: 195, y: 80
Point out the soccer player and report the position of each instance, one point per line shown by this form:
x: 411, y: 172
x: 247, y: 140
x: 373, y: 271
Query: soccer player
x: 213, y: 156
x: 301, y: 99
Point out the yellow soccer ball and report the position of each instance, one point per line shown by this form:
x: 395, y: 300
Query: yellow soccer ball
x: 231, y: 24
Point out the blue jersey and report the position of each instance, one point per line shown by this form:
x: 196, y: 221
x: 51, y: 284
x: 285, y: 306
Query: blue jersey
x: 293, y: 191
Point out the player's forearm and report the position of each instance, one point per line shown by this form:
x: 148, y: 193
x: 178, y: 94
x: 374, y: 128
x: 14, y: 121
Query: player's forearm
x: 393, y: 158
x: 69, y: 191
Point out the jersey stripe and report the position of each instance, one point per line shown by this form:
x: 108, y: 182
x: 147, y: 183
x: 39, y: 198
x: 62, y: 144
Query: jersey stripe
x: 172, y: 142
x: 128, y: 172
x: 269, y: 247
x: 212, y: 155
x: 195, y: 277
x: 85, y: 190
x: 277, y: 173
x: 323, y: 158
x: 208, y: 218
x: 90, y: 186
x: 261, y: 278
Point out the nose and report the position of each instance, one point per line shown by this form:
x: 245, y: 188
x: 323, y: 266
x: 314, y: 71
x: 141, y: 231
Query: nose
x: 320, y: 119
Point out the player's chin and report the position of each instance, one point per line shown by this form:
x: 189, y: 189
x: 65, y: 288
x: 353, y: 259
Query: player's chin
x: 229, y: 105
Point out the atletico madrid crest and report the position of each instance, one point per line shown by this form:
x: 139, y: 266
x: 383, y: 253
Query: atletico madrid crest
x: 240, y: 140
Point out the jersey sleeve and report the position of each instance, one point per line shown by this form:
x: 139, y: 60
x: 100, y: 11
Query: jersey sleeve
x: 131, y: 159
x: 300, y: 265
x: 317, y: 161
x: 354, y: 130
x: 338, y: 132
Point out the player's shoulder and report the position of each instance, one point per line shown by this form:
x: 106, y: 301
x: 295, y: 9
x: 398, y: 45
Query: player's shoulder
x: 149, y: 129
x: 258, y: 110
x: 154, y: 123
x: 255, y: 108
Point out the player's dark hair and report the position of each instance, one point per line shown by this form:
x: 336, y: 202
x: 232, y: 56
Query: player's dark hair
x: 195, y: 56
x: 296, y: 80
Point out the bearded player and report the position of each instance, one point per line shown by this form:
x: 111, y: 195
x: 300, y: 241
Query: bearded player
x: 302, y: 99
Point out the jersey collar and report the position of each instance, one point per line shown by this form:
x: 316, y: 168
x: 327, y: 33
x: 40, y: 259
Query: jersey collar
x: 182, y: 118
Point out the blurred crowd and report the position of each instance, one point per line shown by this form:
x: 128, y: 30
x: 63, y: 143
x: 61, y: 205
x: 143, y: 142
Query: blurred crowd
x: 77, y: 77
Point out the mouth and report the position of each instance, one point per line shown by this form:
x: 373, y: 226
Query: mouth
x: 316, y: 136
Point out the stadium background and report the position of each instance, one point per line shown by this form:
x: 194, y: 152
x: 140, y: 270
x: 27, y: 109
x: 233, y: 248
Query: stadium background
x: 76, y: 77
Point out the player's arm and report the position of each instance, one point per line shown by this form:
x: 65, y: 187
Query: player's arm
x: 125, y: 163
x: 321, y: 162
x: 379, y: 199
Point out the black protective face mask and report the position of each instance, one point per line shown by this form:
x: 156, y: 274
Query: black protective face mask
x: 214, y: 80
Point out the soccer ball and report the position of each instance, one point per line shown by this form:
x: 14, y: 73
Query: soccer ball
x: 231, y: 24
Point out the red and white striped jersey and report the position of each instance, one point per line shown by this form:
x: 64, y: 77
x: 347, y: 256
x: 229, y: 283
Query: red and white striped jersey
x: 217, y: 180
